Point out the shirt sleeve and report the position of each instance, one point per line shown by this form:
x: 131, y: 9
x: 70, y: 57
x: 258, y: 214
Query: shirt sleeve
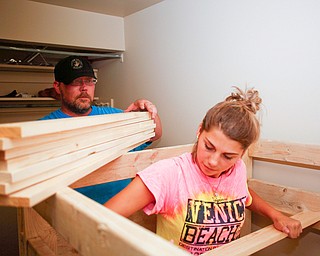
x: 55, y: 115
x: 141, y: 147
x: 161, y: 179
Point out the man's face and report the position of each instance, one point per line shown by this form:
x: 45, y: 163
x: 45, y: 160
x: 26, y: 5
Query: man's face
x: 77, y: 97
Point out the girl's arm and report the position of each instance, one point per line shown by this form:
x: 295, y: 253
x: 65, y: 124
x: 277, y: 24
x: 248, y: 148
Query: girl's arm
x: 281, y: 222
x: 132, y: 198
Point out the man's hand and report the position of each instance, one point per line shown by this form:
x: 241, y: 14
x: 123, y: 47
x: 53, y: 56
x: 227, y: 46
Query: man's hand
x: 143, y: 105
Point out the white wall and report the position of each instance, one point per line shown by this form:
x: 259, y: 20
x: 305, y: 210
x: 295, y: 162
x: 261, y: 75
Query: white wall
x: 185, y: 55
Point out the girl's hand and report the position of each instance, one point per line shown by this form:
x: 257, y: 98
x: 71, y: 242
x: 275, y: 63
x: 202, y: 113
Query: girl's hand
x: 287, y: 225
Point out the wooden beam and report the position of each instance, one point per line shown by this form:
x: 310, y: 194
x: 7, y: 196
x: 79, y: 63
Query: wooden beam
x: 286, y: 199
x: 246, y: 228
x: 9, y: 144
x: 69, y: 140
x: 37, y: 237
x: 36, y: 128
x: 50, y: 169
x: 99, y: 230
x: 74, y: 147
x: 262, y: 238
x: 129, y: 164
x: 30, y: 196
x: 302, y: 155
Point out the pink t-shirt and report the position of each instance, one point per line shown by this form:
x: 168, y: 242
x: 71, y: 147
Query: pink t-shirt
x: 196, y: 212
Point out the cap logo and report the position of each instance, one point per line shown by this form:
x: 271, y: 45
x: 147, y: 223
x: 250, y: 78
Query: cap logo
x: 76, y: 64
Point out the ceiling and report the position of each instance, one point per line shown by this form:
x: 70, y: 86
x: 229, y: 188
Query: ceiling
x: 119, y: 8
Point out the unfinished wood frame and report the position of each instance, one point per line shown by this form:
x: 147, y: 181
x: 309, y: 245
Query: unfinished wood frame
x: 91, y: 229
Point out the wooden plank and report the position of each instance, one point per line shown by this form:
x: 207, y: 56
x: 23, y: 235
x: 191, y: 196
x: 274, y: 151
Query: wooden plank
x: 129, y: 164
x: 37, y: 247
x: 48, y: 169
x: 249, y: 164
x: 302, y: 155
x: 247, y: 227
x: 23, y: 231
x: 316, y: 226
x: 32, y: 195
x: 36, y: 128
x: 262, y: 238
x: 288, y: 200
x: 39, y: 238
x: 29, y: 171
x: 147, y: 221
x: 52, y: 153
x: 100, y: 231
x: 11, y: 148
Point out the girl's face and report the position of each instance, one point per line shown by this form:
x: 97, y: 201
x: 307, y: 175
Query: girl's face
x: 216, y: 153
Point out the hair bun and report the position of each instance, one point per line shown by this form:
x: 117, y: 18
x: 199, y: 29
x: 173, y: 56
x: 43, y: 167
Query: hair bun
x: 249, y: 98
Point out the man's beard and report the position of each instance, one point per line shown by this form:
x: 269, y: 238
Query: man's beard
x: 75, y: 106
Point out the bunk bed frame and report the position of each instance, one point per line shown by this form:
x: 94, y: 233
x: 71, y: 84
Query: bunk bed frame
x: 68, y: 223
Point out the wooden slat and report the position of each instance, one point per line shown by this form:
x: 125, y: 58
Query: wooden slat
x: 128, y: 165
x: 36, y: 128
x: 20, y: 174
x: 99, y: 231
x: 36, y: 245
x: 39, y: 238
x: 249, y: 164
x: 262, y: 238
x: 48, y: 169
x: 287, y: 153
x: 51, y: 153
x: 32, y: 195
x: 11, y: 148
x: 246, y: 228
x: 286, y: 199
x: 316, y: 226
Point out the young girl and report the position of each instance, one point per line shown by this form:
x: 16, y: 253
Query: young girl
x: 201, y: 196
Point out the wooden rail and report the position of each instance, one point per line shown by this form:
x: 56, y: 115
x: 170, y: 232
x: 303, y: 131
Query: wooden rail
x: 262, y: 238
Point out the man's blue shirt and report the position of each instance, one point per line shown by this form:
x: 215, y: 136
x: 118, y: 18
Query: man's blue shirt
x: 95, y: 111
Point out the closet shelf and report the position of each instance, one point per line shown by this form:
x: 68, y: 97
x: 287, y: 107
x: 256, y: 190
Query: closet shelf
x: 29, y: 68
x: 26, y: 68
x: 42, y: 58
x: 30, y: 102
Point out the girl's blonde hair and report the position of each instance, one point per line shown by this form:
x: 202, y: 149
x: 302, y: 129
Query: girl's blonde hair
x: 235, y: 117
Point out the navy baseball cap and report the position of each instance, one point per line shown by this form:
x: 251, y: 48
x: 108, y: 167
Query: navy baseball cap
x: 72, y: 67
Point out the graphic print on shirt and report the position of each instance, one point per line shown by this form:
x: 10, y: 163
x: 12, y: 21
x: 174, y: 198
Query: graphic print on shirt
x: 211, y: 224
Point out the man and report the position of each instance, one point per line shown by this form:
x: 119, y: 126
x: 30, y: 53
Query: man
x: 75, y: 85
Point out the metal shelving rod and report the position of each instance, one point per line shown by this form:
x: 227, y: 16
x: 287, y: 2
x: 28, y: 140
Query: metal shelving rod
x: 100, y: 55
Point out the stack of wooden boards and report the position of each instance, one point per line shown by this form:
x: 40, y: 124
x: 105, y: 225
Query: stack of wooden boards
x: 38, y: 158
